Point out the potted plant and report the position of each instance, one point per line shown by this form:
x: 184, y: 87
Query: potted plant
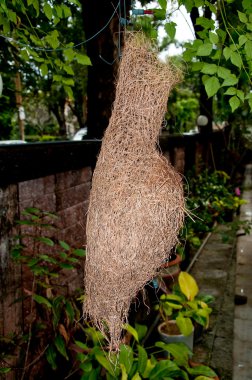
x: 181, y: 310
x: 169, y: 271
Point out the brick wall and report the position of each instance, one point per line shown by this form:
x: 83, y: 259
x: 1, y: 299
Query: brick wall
x: 65, y: 194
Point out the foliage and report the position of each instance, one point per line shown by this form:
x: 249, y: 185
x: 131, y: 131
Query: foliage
x: 184, y: 306
x: 38, y: 46
x: 221, y: 51
x: 38, y: 41
x: 212, y: 198
x: 183, y: 105
x: 57, y: 335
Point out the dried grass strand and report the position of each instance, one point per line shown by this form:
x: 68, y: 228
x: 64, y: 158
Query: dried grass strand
x: 136, y: 205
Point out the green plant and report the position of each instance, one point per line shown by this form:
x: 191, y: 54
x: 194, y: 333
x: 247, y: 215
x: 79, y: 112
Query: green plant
x: 184, y: 305
x: 53, y: 315
x: 137, y: 362
x: 57, y: 342
x: 212, y: 199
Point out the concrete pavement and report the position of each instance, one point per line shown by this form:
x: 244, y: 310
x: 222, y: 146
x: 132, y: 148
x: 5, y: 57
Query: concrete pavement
x: 242, y: 346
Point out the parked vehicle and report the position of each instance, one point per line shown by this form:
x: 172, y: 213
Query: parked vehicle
x: 11, y: 142
x: 80, y: 134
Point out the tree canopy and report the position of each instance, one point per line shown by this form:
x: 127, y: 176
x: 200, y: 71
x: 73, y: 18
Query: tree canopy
x: 47, y: 47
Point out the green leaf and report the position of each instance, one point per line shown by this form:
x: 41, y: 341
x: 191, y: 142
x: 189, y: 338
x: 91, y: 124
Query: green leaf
x: 58, y: 10
x: 41, y: 300
x: 212, y: 85
x: 227, y: 52
x: 199, y: 3
x: 242, y: 17
x: 141, y: 330
x: 142, y: 359
x: 160, y: 14
x: 83, y: 346
x: 240, y: 95
x: 231, y: 91
x: 44, y: 69
x: 248, y: 49
x: 223, y: 73
x: 222, y: 34
x: 214, y: 38
x: 68, y: 81
x: 205, y: 22
x: 126, y: 356
x: 230, y: 81
x: 66, y: 11
x: 48, y: 11
x: 132, y: 331
x: 179, y: 351
x: 75, y: 2
x: 35, y: 4
x: 189, y: 4
x: 24, y: 54
x: 242, y: 39
x: 163, y: 4
x: 105, y: 363
x: 201, y: 370
x: 136, y: 376
x: 211, y: 7
x: 52, y: 39
x: 234, y: 103
x: 69, y: 311
x: 60, y: 345
x: 209, y: 68
x: 69, y: 92
x: 64, y: 245
x: 123, y: 372
x: 51, y: 357
x: 4, y: 370
x: 12, y: 16
x: 170, y: 29
x: 46, y: 241
x: 66, y: 266
x: 247, y: 5
x: 79, y: 252
x: 204, y: 50
x: 69, y: 54
x: 236, y: 59
x: 68, y: 69
x: 197, y: 66
x: 83, y: 59
x: 165, y: 368
x: 185, y: 325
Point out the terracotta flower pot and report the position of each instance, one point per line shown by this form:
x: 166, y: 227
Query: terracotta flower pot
x: 169, y: 272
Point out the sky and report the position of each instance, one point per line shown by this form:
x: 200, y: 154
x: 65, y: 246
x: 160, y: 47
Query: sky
x: 184, y: 30
x: 184, y: 27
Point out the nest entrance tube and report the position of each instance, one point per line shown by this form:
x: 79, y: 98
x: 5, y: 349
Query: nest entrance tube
x: 136, y: 204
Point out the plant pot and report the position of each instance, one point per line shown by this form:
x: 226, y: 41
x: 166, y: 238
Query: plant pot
x: 169, y: 271
x: 169, y: 333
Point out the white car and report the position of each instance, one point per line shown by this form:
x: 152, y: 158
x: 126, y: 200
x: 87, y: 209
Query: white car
x: 11, y: 142
x: 80, y: 134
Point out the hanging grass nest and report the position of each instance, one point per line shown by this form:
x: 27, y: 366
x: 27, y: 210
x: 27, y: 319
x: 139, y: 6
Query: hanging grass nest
x: 136, y: 204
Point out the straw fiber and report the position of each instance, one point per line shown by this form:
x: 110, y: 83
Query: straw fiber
x: 136, y: 204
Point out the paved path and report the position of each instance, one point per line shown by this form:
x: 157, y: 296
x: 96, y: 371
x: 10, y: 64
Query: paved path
x: 242, y: 348
x: 214, y: 271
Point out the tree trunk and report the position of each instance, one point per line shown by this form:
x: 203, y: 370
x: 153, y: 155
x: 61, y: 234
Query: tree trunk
x: 105, y: 41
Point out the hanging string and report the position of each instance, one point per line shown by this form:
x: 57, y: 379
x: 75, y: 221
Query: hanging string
x: 10, y: 39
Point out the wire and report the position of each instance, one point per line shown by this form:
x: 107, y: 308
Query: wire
x: 10, y: 39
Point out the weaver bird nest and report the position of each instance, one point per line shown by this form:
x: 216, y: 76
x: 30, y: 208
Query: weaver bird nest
x: 136, y: 204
